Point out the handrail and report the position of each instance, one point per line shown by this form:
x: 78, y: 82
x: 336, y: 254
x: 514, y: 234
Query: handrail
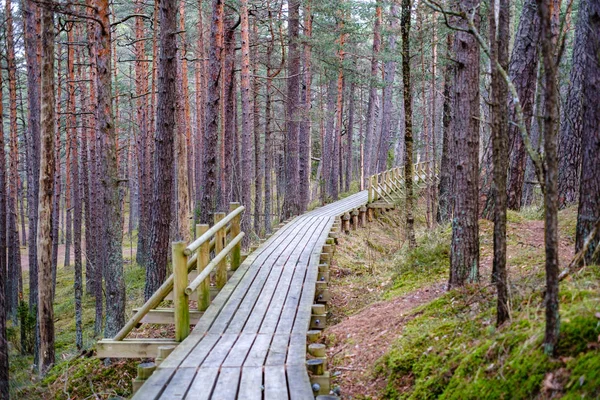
x: 215, y: 261
x: 214, y: 229
x: 186, y: 259
x: 384, y: 183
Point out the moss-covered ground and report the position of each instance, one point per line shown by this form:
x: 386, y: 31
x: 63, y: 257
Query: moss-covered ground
x: 451, y: 347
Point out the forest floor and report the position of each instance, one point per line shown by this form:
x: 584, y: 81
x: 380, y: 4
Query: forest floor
x: 395, y: 332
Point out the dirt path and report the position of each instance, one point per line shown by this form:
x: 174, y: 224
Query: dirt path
x: 363, y: 338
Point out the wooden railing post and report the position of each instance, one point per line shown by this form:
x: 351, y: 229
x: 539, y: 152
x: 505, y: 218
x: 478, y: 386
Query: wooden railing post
x: 220, y: 238
x: 180, y: 299
x: 203, y: 258
x: 370, y: 189
x: 236, y: 253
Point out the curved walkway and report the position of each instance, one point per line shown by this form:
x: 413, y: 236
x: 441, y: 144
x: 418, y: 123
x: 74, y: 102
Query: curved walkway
x: 251, y: 342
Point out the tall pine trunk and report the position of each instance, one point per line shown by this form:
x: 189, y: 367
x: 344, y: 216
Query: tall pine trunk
x: 47, y: 165
x: 408, y: 123
x: 589, y: 198
x: 162, y: 190
x: 464, y: 254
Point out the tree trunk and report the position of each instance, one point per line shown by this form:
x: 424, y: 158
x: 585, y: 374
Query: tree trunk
x: 349, y: 134
x: 589, y: 197
x: 211, y: 134
x: 408, y: 123
x: 200, y: 70
x: 291, y: 203
x: 370, y: 129
x: 339, y: 118
x: 47, y: 165
x: 304, y: 138
x: 445, y: 200
x: 499, y: 40
x: 569, y: 149
x: 522, y: 72
x: 77, y: 209
x: 113, y: 224
x: 14, y: 250
x: 247, y: 118
x: 4, y: 383
x: 141, y: 104
x: 182, y: 139
x: 548, y: 38
x: 163, y: 156
x: 258, y: 169
x: 389, y: 74
x: 464, y: 125
x: 32, y: 25
x: 268, y: 135
x: 328, y: 139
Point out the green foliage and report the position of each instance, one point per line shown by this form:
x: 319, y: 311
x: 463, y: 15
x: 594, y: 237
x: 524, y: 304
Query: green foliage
x: 452, y: 350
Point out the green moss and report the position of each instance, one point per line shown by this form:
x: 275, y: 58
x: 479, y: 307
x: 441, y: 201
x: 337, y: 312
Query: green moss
x: 451, y: 349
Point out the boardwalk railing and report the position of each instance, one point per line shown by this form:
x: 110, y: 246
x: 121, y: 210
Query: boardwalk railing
x: 192, y: 268
x: 383, y: 185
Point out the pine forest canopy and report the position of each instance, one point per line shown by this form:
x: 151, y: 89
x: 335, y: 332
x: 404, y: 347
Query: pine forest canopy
x: 135, y: 120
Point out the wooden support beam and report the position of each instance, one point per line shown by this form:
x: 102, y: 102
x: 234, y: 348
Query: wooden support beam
x: 323, y: 382
x: 131, y: 348
x: 313, y: 336
x: 180, y: 298
x: 346, y: 223
x: 144, y: 371
x: 203, y: 291
x: 221, y: 274
x: 354, y: 215
x: 362, y: 217
x: 163, y: 352
x: 235, y: 230
x: 166, y: 316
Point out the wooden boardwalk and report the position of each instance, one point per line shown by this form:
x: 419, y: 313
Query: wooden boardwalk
x: 251, y: 342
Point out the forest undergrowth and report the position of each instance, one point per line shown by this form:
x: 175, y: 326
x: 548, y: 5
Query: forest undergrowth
x: 398, y: 334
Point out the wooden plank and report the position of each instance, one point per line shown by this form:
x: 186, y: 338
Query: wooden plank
x: 239, y: 351
x: 275, y: 383
x: 299, y: 383
x: 166, y: 316
x: 226, y: 387
x: 251, y: 383
x: 244, y: 272
x: 278, y: 350
x: 131, y: 348
x: 219, y: 352
x: 297, y: 350
x: 154, y: 386
x: 203, y: 384
x: 179, y: 384
x: 197, y: 356
x: 258, y: 353
x: 255, y: 297
x: 299, y: 284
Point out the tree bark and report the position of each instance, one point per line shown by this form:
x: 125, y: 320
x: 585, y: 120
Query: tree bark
x: 569, y: 149
x: 464, y: 254
x: 4, y: 370
x: 389, y: 74
x: 408, y: 123
x: 107, y: 134
x: 349, y: 134
x: 47, y: 165
x: 499, y: 40
x: 211, y: 134
x: 162, y: 190
x: 548, y: 38
x: 589, y: 196
x: 370, y: 129
x: 305, y: 139
x: 14, y: 251
x: 247, y: 118
x: 291, y: 202
x: 445, y: 199
x: 522, y: 72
